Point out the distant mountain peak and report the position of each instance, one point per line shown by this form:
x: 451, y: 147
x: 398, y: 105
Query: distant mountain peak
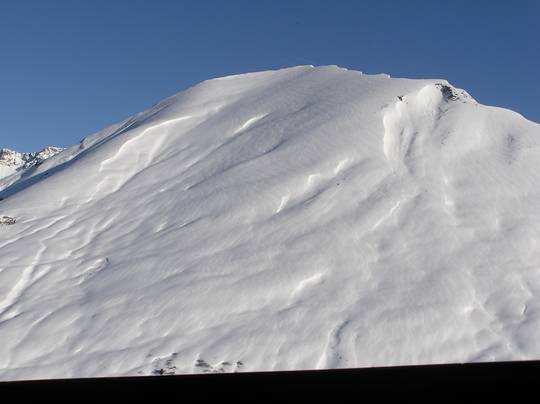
x: 12, y: 161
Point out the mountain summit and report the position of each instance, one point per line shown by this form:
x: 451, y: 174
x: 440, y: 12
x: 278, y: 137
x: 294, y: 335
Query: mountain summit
x: 12, y: 161
x: 309, y: 217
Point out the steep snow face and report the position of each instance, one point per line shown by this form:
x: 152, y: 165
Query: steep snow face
x: 12, y: 161
x: 293, y: 219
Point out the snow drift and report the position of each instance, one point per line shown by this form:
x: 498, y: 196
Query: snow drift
x: 310, y: 217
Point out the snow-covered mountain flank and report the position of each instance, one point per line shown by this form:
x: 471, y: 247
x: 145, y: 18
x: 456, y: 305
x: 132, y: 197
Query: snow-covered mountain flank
x: 12, y: 161
x: 310, y: 217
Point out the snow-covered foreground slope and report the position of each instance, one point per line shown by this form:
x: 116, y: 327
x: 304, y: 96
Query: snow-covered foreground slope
x: 293, y: 219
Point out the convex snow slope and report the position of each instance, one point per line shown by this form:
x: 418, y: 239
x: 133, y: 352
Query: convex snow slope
x: 291, y: 219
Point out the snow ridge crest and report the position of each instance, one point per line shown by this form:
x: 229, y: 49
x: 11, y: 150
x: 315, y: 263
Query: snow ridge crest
x: 21, y: 161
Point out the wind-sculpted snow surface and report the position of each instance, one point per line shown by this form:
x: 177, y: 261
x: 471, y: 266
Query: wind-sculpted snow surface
x: 293, y: 219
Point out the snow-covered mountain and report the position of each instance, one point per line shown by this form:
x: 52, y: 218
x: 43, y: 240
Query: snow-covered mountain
x: 310, y: 217
x: 12, y: 161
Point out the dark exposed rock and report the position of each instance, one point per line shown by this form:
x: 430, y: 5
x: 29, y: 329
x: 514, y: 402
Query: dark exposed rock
x: 6, y: 220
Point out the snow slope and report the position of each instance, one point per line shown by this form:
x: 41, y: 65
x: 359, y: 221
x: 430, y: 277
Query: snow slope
x: 292, y: 219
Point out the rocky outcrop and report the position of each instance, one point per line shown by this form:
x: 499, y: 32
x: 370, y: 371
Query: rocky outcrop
x: 12, y: 161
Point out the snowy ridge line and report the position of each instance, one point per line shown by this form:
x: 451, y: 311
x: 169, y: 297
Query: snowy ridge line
x: 12, y: 162
x: 27, y: 179
x: 303, y: 218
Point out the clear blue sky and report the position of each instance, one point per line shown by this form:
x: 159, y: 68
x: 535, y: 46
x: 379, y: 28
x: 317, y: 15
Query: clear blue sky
x: 69, y: 68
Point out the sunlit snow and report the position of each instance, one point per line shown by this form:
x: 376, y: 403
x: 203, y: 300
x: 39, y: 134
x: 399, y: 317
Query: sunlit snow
x: 293, y: 219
